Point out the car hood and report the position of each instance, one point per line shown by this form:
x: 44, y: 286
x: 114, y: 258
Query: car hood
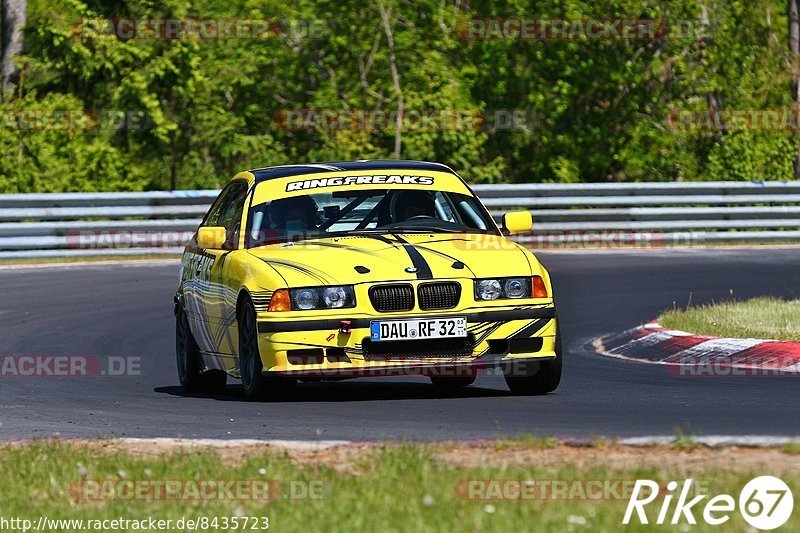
x: 391, y: 257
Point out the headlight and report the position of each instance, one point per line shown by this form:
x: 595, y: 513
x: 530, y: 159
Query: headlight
x: 305, y: 299
x: 508, y: 288
x: 488, y: 289
x: 336, y: 297
x: 517, y: 288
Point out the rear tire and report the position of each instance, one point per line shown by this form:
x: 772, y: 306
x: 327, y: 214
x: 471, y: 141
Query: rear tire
x: 256, y: 385
x: 542, y: 379
x: 190, y: 366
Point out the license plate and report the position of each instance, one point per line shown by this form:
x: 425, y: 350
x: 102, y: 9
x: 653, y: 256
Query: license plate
x: 429, y: 328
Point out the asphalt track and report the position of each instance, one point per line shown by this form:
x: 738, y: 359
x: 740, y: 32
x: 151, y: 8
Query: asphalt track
x: 125, y: 310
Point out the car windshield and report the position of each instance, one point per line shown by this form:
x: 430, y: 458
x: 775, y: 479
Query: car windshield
x: 366, y: 211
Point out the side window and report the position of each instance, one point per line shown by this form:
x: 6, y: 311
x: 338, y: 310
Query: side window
x: 227, y: 211
x: 213, y: 216
x: 231, y: 212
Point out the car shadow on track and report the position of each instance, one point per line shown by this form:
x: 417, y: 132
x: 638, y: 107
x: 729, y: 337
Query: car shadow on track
x: 347, y: 391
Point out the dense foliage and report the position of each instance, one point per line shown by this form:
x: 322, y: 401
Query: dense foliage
x: 155, y: 113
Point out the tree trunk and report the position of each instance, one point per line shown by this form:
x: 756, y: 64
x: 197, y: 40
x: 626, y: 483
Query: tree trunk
x: 13, y: 19
x: 398, y: 132
x: 794, y: 49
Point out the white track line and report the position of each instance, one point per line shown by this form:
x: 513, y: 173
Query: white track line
x: 83, y: 264
x: 755, y: 441
x: 304, y: 445
x: 714, y: 441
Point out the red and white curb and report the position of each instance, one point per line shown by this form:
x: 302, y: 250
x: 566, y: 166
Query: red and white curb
x: 653, y: 343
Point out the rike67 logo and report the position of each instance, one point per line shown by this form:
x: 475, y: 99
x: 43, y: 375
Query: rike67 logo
x: 765, y: 503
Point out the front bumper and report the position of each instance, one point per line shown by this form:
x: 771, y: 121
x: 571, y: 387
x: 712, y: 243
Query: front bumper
x: 318, y: 347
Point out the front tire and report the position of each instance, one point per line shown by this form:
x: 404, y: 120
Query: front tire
x: 256, y: 385
x: 190, y: 367
x: 543, y: 379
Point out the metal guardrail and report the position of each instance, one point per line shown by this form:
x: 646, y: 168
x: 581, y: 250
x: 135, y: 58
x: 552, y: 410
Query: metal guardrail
x: 565, y: 215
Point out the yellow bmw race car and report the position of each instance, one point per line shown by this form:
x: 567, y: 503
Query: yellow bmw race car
x: 363, y: 268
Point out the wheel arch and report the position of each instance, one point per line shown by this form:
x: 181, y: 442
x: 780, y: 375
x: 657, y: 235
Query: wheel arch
x: 244, y: 294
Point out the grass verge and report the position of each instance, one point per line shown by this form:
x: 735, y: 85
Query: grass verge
x: 385, y: 488
x: 760, y: 318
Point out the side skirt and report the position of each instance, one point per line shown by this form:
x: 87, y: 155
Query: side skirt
x: 220, y: 361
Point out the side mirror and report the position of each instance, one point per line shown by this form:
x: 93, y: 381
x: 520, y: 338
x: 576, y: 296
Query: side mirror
x: 517, y: 222
x: 212, y: 237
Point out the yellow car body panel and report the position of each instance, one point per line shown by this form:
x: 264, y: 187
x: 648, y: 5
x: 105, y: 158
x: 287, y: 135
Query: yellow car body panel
x: 214, y: 282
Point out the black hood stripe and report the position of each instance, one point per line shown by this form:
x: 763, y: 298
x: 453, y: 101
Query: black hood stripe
x: 422, y: 266
x: 381, y: 238
x: 444, y: 255
x: 316, y: 274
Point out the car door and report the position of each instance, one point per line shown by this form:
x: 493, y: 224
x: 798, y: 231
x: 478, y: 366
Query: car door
x: 196, y: 276
x: 221, y: 293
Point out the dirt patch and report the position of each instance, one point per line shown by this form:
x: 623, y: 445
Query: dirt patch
x: 500, y: 454
x: 690, y: 461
